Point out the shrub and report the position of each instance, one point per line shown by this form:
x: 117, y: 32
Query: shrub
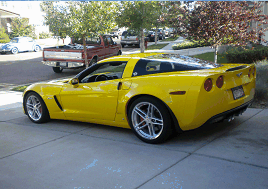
x: 239, y: 55
x: 3, y: 36
x: 261, y: 80
x: 44, y: 35
x: 190, y: 44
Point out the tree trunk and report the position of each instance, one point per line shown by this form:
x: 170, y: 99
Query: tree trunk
x: 85, y: 50
x: 142, y: 40
x: 155, y: 37
x: 216, y: 54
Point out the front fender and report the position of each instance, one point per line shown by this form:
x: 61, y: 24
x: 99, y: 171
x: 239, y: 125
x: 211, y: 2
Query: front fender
x: 47, y: 92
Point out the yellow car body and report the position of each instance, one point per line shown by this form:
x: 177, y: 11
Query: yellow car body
x: 182, y: 92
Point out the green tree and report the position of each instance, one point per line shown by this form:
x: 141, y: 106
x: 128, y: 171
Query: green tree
x: 21, y: 27
x: 139, y: 15
x: 79, y: 19
x: 3, y: 36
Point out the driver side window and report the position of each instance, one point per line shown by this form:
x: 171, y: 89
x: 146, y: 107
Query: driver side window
x: 104, y: 71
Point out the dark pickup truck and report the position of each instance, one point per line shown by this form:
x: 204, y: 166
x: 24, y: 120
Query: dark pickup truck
x: 73, y: 56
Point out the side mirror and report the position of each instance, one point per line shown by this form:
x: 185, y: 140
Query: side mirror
x: 74, y: 81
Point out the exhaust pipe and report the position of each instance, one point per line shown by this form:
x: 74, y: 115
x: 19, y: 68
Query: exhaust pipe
x: 231, y: 118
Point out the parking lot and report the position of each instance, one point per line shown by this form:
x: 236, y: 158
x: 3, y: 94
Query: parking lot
x: 65, y: 154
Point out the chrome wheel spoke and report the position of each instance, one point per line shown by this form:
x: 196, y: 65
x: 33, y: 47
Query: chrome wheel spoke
x: 143, y: 126
x: 37, y: 113
x: 157, y: 121
x: 140, y: 113
x: 151, y: 131
x: 28, y: 105
x: 138, y: 125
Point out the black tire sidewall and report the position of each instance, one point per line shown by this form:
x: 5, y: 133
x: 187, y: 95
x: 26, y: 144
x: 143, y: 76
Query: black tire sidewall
x: 167, y: 129
x: 45, y: 114
x: 57, y: 69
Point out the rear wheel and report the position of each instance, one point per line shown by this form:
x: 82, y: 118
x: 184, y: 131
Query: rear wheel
x: 36, y: 48
x: 119, y: 53
x: 35, y: 108
x: 122, y: 45
x: 150, y: 121
x: 57, y: 69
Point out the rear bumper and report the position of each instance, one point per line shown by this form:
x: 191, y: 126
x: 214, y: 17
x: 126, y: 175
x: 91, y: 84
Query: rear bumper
x: 233, y: 112
x: 129, y: 42
x: 64, y: 64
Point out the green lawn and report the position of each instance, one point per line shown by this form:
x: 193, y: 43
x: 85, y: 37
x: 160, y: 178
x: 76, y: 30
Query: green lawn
x: 157, y: 47
x: 170, y: 39
x: 20, y: 88
x: 210, y: 57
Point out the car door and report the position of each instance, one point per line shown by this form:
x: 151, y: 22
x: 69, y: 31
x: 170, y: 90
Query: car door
x: 93, y: 99
x: 112, y: 47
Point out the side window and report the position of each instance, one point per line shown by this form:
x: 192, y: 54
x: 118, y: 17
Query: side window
x: 145, y: 67
x: 110, y: 41
x: 105, y: 40
x: 103, y: 71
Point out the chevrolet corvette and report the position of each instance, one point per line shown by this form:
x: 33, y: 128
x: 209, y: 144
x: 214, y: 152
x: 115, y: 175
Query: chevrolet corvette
x: 154, y: 94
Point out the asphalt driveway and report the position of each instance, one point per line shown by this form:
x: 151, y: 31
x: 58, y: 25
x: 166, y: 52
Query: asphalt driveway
x: 65, y: 154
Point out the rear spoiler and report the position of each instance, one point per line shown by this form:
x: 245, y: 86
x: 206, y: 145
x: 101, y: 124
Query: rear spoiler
x: 236, y: 68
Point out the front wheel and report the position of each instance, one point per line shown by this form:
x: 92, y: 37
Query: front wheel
x: 35, y: 108
x: 14, y: 50
x: 57, y: 69
x: 150, y: 121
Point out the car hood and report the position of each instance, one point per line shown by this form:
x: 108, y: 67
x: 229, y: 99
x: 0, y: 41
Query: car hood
x: 5, y: 45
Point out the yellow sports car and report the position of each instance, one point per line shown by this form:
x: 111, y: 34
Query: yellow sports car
x: 154, y: 94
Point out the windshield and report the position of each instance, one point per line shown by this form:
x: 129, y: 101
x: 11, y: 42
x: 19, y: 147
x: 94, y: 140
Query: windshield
x: 14, y: 40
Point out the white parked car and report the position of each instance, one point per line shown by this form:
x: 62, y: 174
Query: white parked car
x: 20, y: 44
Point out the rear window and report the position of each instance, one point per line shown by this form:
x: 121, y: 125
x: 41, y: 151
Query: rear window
x: 155, y: 64
x: 89, y: 40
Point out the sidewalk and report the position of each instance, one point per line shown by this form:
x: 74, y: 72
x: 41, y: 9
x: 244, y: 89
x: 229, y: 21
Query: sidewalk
x: 168, y: 49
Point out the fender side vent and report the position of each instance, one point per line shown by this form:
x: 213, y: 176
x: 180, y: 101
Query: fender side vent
x: 55, y: 98
x: 236, y: 68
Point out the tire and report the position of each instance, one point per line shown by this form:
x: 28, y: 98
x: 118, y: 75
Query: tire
x: 119, y: 53
x: 14, y: 50
x: 57, y: 69
x: 93, y: 61
x: 152, y: 126
x: 35, y: 108
x: 36, y: 48
x: 137, y: 45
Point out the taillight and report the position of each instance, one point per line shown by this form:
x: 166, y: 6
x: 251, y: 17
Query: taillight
x: 249, y: 72
x: 208, y: 84
x: 137, y: 39
x: 219, y: 82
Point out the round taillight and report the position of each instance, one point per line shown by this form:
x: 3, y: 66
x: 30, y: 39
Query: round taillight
x: 208, y: 84
x: 219, y: 82
x: 249, y: 72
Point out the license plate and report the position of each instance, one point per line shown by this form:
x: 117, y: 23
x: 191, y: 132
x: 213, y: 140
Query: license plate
x: 238, y: 92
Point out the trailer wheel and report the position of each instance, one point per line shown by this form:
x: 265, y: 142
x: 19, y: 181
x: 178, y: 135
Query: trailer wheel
x: 57, y: 69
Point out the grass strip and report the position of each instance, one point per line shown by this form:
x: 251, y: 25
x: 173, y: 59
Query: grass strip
x: 210, y: 57
x: 170, y: 39
x: 157, y: 47
x: 20, y: 88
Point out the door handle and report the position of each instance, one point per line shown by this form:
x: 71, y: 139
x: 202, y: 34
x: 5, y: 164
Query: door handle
x: 119, y: 85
